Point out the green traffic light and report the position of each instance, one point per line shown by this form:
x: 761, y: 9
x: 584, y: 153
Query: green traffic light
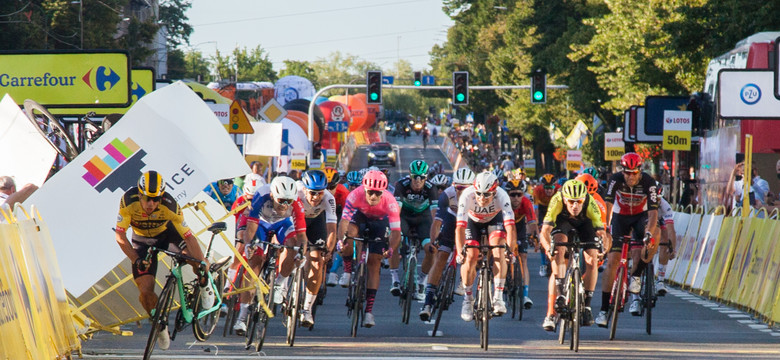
x: 460, y: 97
x: 538, y: 95
x: 374, y: 96
x: 417, y: 83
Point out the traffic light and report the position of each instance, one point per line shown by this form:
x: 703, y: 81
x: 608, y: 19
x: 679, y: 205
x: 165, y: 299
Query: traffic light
x: 538, y: 88
x: 460, y: 88
x: 417, y: 78
x: 373, y: 87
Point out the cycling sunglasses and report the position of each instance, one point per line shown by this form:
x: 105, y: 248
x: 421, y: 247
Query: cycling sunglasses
x: 549, y: 187
x: 516, y: 194
x: 419, y: 177
x: 225, y: 182
x: 353, y: 186
x: 486, y: 194
x: 285, y: 201
x: 461, y: 187
x: 575, y: 201
x: 153, y: 198
x: 376, y: 193
x: 315, y: 193
x: 630, y: 172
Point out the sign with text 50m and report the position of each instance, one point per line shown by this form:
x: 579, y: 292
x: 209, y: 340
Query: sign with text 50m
x: 56, y: 79
x: 573, y: 160
x: 614, y: 147
x: 677, y: 130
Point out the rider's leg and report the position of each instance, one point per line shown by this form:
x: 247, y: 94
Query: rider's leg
x: 591, y: 273
x: 558, y: 263
x: 663, y: 257
x: 468, y: 270
x: 373, y: 265
x: 608, y: 276
x: 245, y: 298
x: 523, y: 259
x: 439, y: 262
x: 499, y: 266
x: 316, y: 265
x: 147, y: 296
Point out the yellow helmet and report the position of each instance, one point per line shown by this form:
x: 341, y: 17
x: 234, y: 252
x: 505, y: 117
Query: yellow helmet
x: 574, y: 189
x: 151, y: 184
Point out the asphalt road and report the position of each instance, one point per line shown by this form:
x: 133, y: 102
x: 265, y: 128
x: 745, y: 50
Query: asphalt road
x: 684, y: 326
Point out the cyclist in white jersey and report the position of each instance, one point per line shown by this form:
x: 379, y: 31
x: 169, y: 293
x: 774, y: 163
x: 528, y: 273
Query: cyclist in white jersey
x: 668, y: 242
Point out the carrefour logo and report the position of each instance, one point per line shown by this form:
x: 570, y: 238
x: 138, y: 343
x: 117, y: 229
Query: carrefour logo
x: 118, y: 169
x: 101, y: 76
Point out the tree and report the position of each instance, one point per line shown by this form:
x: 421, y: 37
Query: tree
x: 177, y: 67
x: 300, y: 68
x: 172, y: 15
x: 197, y: 66
x: 251, y: 65
x: 340, y: 68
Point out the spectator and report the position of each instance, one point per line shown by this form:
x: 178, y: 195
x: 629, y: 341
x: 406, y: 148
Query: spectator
x: 687, y: 188
x: 9, y: 195
x: 507, y: 164
x: 223, y: 191
x: 760, y: 185
x: 735, y: 188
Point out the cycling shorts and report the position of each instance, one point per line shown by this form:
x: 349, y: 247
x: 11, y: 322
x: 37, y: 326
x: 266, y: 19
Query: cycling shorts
x: 584, y: 227
x: 622, y: 225
x: 317, y: 232
x: 446, y: 237
x: 419, y: 223
x: 376, y: 231
x: 522, y: 237
x: 169, y: 240
x: 493, y: 228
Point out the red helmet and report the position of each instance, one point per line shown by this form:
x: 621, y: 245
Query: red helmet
x: 631, y: 162
x: 375, y: 180
x: 589, y: 181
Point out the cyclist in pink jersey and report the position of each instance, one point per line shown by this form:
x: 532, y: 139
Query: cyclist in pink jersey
x: 369, y: 212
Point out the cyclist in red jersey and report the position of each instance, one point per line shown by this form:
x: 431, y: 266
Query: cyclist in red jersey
x: 373, y: 210
x: 525, y: 225
x: 251, y: 182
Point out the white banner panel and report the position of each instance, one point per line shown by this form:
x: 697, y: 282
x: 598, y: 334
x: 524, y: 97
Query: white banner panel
x: 704, y: 253
x: 171, y: 131
x: 685, y: 250
x: 266, y: 141
x: 27, y: 155
x: 747, y: 94
x: 681, y: 221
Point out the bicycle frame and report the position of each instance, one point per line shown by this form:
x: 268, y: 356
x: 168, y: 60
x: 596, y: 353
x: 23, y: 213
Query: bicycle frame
x: 624, y: 278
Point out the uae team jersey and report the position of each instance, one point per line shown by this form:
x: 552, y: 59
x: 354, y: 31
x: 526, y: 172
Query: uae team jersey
x: 469, y: 209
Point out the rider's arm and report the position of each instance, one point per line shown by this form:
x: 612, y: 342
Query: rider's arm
x: 544, y: 237
x: 394, y: 218
x: 330, y: 220
x: 434, y: 200
x: 462, y: 218
x: 124, y: 244
x: 444, y: 205
x: 652, y: 203
x: 594, y: 214
x: 609, y: 196
x: 122, y: 225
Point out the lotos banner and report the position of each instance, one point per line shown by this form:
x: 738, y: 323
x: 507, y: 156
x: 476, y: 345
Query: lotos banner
x: 171, y: 131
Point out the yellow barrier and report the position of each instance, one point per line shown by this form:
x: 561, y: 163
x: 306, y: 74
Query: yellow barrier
x: 35, y: 322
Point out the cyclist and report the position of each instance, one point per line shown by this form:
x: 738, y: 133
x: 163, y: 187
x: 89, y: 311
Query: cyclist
x: 632, y: 204
x: 595, y: 174
x: 251, y: 182
x: 542, y: 194
x: 319, y: 208
x: 276, y: 207
x: 571, y: 208
x: 525, y: 224
x: 371, y: 209
x: 223, y: 191
x: 668, y: 239
x: 338, y: 190
x: 418, y: 201
x: 441, y: 182
x: 593, y: 187
x: 354, y: 179
x: 484, y: 206
x: 157, y: 221
x: 443, y: 232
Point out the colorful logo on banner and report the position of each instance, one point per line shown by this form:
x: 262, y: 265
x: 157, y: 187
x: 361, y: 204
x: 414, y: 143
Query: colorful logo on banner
x: 119, y: 169
x: 102, y: 76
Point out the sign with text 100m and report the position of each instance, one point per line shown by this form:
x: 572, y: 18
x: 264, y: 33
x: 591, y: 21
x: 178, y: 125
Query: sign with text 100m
x: 614, y: 147
x: 77, y: 79
x: 677, y: 130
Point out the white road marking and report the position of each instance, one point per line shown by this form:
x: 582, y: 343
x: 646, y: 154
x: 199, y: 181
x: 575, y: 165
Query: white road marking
x: 739, y: 316
x: 439, y: 348
x: 746, y: 321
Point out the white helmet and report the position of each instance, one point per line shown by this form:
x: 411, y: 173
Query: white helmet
x: 486, y: 181
x: 283, y: 187
x: 440, y: 180
x: 252, y: 181
x: 463, y: 176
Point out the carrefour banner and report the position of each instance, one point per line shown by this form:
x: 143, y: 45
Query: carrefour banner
x: 86, y: 78
x: 171, y: 131
x: 143, y: 82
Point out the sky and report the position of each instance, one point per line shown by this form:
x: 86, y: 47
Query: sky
x: 379, y: 31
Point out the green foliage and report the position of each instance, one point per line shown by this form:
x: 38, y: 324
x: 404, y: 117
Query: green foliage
x: 173, y: 17
x: 254, y: 65
x: 300, y: 68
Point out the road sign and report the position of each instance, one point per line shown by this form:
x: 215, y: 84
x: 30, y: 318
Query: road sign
x: 273, y: 111
x: 747, y: 94
x: 428, y: 80
x: 573, y: 160
x: 331, y: 156
x: 298, y: 161
x: 677, y: 130
x: 239, y: 123
x: 387, y: 80
x: 529, y: 166
x: 614, y: 147
x: 338, y: 126
x: 221, y: 111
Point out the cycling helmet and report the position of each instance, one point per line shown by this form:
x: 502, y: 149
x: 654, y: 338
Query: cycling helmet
x: 151, y: 184
x: 251, y: 182
x: 283, y: 187
x: 562, y: 181
x: 314, y: 180
x: 440, y: 180
x: 574, y: 189
x: 370, y: 168
x: 418, y: 167
x: 332, y: 175
x: 354, y: 178
x: 547, y: 179
x: 514, y: 185
x: 659, y: 189
x: 592, y: 171
x: 486, y: 181
x: 463, y: 176
x: 590, y: 183
x: 631, y: 162
x: 375, y: 180
x: 363, y: 172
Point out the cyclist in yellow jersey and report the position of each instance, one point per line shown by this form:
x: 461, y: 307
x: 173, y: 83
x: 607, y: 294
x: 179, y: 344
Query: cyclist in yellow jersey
x: 571, y: 208
x: 157, y: 221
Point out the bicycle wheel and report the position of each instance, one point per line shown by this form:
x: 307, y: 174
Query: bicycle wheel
x: 232, y: 303
x: 575, y: 304
x: 294, y: 306
x: 519, y: 283
x: 203, y: 326
x: 649, y: 295
x: 360, y: 293
x: 49, y: 128
x: 484, y: 299
x: 252, y: 320
x: 445, y: 296
x: 160, y: 317
x: 263, y: 318
x: 617, y: 299
x: 411, y: 288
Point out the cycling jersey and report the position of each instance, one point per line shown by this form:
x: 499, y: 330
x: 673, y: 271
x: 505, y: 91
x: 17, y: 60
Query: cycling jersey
x: 228, y: 200
x: 448, y: 206
x: 602, y: 206
x: 631, y: 200
x: 448, y: 202
x: 665, y: 213
x: 525, y: 212
x: 241, y: 215
x: 387, y: 207
x: 589, y: 210
x: 131, y: 214
x: 415, y: 202
x: 262, y: 213
x: 468, y: 208
x: 327, y: 205
x: 540, y: 198
x: 340, y: 195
